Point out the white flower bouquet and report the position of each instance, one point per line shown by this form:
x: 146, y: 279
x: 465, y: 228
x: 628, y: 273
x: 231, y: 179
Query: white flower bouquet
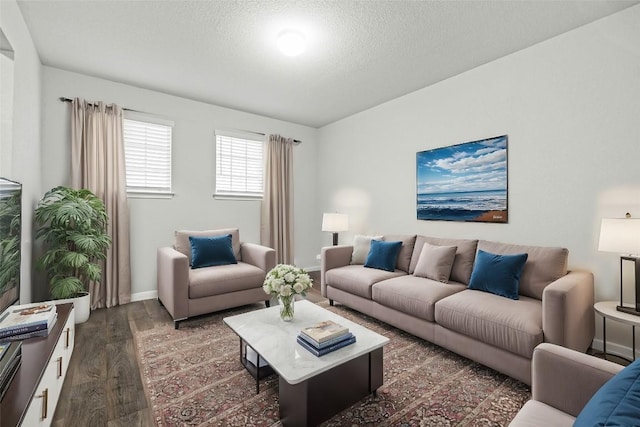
x: 285, y: 281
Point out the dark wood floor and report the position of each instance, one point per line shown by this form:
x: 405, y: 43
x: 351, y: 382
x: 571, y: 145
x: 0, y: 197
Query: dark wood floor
x: 103, y: 386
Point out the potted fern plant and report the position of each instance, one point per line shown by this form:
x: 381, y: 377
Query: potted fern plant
x: 73, y: 226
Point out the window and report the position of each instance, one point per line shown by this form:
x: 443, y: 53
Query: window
x: 147, y: 151
x: 239, y: 165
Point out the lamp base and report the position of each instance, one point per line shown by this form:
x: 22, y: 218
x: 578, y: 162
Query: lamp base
x: 628, y: 310
x: 335, y: 239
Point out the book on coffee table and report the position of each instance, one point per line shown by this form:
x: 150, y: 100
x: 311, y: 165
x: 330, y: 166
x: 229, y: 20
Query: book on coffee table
x: 327, y: 343
x: 323, y: 351
x: 326, y: 330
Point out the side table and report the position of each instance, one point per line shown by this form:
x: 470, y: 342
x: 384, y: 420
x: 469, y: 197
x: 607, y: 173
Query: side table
x: 607, y: 309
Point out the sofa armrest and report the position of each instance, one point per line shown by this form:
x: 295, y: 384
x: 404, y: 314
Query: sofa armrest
x: 566, y: 379
x: 568, y: 318
x: 173, y: 282
x: 333, y: 257
x: 262, y: 257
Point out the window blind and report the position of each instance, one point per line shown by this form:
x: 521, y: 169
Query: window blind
x: 147, y: 149
x: 239, y: 166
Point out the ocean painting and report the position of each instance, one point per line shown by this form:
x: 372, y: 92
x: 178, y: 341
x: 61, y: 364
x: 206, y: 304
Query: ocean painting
x: 464, y: 182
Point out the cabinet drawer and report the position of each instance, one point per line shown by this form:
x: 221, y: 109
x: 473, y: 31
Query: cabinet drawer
x: 43, y: 405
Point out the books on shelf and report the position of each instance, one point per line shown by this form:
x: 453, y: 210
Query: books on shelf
x: 255, y: 359
x: 21, y: 320
x: 325, y: 350
x: 326, y: 330
x: 9, y: 364
x: 36, y: 333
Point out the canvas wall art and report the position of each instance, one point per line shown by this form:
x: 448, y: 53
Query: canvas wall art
x: 464, y: 182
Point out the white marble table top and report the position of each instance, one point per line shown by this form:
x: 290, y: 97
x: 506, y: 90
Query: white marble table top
x: 275, y: 340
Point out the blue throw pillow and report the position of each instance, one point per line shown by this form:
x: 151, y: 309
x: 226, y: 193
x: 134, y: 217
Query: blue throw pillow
x: 498, y: 274
x: 210, y: 251
x: 617, y: 403
x: 383, y: 255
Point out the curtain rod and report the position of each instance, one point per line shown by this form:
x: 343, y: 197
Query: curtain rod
x: 65, y: 99
x: 295, y: 141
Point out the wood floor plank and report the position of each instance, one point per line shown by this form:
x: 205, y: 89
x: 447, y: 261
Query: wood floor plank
x: 88, y: 361
x: 125, y: 392
x: 118, y: 324
x: 86, y: 406
x: 141, y: 418
x: 157, y: 312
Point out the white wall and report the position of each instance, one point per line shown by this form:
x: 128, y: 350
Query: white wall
x: 25, y: 149
x: 153, y: 221
x: 571, y: 108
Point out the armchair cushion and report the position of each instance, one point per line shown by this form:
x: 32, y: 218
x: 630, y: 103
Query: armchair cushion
x: 211, y: 251
x: 617, y: 402
x: 181, y: 240
x: 224, y: 279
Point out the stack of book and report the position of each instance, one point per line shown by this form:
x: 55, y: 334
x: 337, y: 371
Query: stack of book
x: 28, y: 321
x: 325, y: 337
x: 10, y: 360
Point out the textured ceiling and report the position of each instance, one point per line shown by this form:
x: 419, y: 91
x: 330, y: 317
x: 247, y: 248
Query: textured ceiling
x: 360, y: 53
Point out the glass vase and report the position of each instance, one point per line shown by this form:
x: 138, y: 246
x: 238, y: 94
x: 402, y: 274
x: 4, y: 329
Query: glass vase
x: 286, y: 308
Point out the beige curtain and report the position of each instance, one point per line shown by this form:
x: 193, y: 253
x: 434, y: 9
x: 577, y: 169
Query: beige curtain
x: 97, y: 164
x: 277, y: 204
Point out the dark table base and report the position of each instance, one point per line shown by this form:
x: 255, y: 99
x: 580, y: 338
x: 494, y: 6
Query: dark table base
x: 317, y: 399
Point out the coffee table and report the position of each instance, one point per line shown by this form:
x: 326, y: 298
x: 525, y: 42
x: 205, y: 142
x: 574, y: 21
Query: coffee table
x: 312, y: 389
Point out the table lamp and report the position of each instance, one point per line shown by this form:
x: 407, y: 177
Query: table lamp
x: 335, y: 223
x: 622, y: 235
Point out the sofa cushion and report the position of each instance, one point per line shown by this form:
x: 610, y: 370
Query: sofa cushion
x: 361, y: 246
x: 497, y: 274
x: 536, y: 414
x: 404, y: 257
x: 544, y: 264
x: 463, y: 262
x: 357, y: 280
x: 211, y: 251
x: 181, y: 240
x: 383, y: 255
x: 513, y: 325
x: 435, y: 262
x: 413, y: 295
x: 616, y: 403
x: 222, y: 279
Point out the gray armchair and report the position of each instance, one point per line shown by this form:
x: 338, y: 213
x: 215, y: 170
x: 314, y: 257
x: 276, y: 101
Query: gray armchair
x: 563, y: 381
x: 186, y: 292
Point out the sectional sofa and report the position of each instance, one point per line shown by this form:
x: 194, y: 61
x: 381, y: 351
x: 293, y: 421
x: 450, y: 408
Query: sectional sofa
x: 554, y: 305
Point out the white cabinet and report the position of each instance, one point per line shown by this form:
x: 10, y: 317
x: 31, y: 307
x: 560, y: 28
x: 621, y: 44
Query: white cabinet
x: 32, y: 396
x: 43, y: 404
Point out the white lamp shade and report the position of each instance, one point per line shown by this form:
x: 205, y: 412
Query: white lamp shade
x: 335, y: 222
x: 620, y: 235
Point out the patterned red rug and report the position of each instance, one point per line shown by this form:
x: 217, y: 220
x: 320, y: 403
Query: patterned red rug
x: 193, y: 377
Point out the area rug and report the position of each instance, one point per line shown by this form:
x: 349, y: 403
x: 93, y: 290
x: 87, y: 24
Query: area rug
x: 193, y: 377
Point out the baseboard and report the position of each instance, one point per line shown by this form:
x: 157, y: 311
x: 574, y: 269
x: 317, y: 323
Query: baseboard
x: 314, y: 268
x: 141, y: 296
x: 614, y: 349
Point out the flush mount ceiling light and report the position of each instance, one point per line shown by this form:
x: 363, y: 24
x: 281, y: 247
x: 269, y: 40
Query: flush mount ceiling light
x: 291, y: 43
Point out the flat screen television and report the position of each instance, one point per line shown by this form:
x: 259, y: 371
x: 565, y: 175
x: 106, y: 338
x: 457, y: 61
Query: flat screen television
x: 10, y: 242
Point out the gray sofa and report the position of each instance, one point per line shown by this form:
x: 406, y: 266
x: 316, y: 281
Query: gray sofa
x: 563, y: 382
x: 554, y: 305
x: 187, y: 292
